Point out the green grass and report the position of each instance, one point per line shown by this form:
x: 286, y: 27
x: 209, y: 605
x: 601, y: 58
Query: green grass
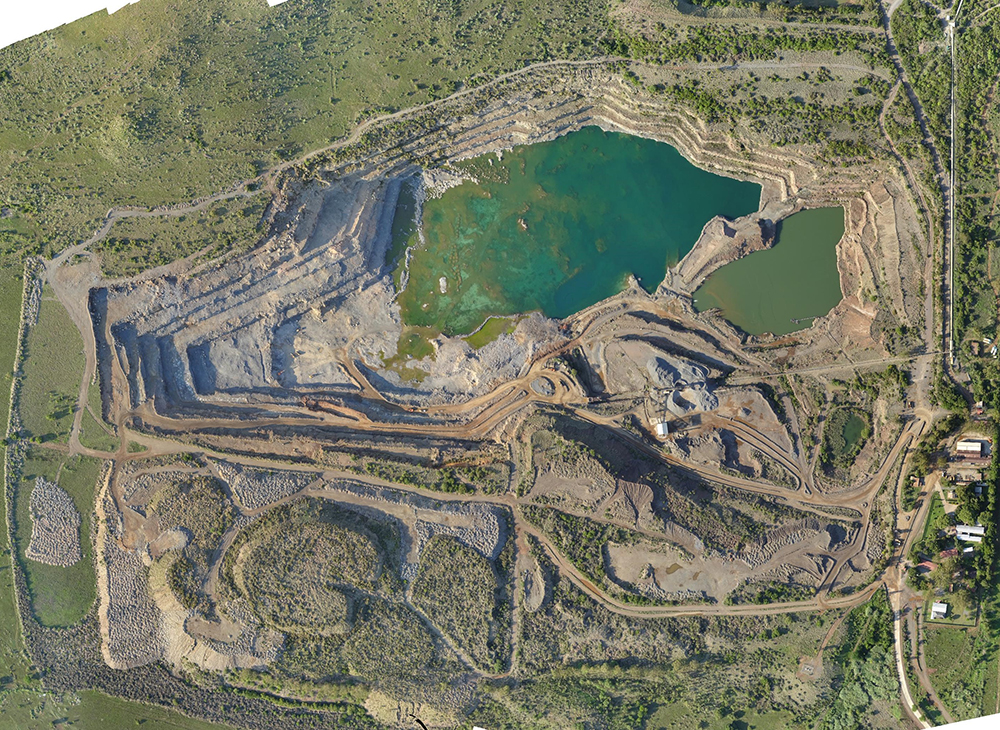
x: 136, y: 244
x: 60, y: 596
x: 948, y: 652
x: 491, y: 329
x: 935, y: 516
x: 13, y: 661
x: 27, y: 708
x: 95, y: 435
x: 168, y: 101
x: 681, y: 716
x: 956, y: 616
x: 52, y: 372
x: 991, y: 691
x: 11, y: 286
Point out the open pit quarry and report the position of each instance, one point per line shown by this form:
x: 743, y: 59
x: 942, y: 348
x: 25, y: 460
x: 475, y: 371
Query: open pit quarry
x: 310, y: 311
x: 263, y: 384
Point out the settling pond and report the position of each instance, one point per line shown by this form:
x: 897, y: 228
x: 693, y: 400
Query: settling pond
x: 556, y: 227
x: 785, y: 287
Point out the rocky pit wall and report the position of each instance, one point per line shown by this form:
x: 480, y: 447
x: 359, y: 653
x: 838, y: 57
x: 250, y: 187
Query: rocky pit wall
x: 267, y: 326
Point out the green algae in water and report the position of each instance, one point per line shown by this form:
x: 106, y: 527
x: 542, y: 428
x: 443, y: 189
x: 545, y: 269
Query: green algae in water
x: 853, y: 431
x: 785, y: 287
x: 559, y: 226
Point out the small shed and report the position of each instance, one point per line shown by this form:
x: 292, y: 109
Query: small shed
x: 939, y: 610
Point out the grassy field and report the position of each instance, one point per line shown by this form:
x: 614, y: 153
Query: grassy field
x: 167, y: 101
x: 957, y: 615
x: 682, y: 716
x: 95, y: 435
x: 25, y: 708
x: 948, y: 652
x: 52, y: 372
x: 11, y: 286
x: 136, y: 244
x: 60, y: 596
x: 935, y: 517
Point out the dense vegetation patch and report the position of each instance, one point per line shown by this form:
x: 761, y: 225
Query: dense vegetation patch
x: 457, y: 588
x: 295, y: 578
x: 920, y: 40
x: 844, y: 434
x: 977, y: 225
x: 197, y: 504
x: 139, y: 243
x: 870, y: 680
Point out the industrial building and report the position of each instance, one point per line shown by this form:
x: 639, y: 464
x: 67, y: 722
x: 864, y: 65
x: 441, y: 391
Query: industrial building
x: 970, y: 533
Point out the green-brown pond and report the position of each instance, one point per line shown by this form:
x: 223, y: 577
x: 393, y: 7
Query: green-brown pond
x: 559, y: 226
x: 783, y: 288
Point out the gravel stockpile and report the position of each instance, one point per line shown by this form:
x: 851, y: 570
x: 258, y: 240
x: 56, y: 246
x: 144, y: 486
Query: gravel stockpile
x: 256, y: 488
x: 133, y: 620
x: 55, y: 526
x: 140, y: 490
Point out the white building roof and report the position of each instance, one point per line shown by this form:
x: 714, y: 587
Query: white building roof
x: 939, y: 610
x: 971, y: 530
x: 969, y: 447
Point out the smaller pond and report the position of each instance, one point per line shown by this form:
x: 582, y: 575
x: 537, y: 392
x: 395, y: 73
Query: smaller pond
x: 853, y: 431
x: 784, y: 288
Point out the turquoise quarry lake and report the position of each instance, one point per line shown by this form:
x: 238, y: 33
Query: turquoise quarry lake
x: 558, y: 226
x: 783, y: 288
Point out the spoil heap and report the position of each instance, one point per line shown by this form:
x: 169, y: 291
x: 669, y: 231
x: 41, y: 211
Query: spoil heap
x: 55, y: 526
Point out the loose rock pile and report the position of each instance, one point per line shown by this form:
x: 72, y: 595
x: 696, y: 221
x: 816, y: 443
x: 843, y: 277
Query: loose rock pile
x: 255, y: 640
x: 55, y: 526
x: 486, y: 534
x: 133, y: 621
x: 256, y: 488
x: 140, y: 490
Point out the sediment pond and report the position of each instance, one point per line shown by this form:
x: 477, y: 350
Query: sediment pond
x: 784, y: 288
x: 558, y: 226
x: 853, y: 431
